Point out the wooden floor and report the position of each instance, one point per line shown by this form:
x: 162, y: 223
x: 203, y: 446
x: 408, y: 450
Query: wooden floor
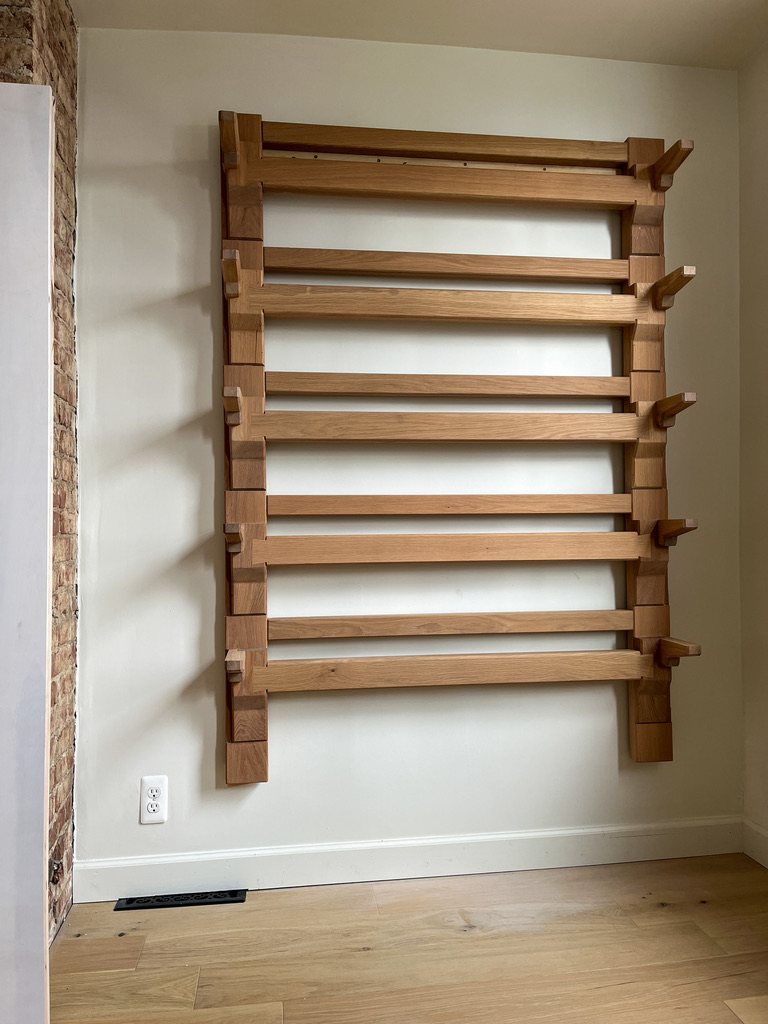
x: 667, y: 942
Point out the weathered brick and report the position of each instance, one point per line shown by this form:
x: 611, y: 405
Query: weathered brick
x: 63, y: 684
x: 64, y: 574
x: 64, y: 631
x: 64, y: 442
x: 62, y: 659
x: 16, y: 23
x: 64, y: 524
x: 64, y: 387
x: 64, y: 549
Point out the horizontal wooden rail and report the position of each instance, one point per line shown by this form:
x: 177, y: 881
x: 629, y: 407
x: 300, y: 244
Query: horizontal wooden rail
x: 435, y: 426
x: 436, y: 264
x: 450, y: 184
x: 353, y: 549
x: 326, y: 138
x: 451, y: 670
x: 447, y: 504
x: 284, y: 383
x: 436, y: 305
x: 434, y: 625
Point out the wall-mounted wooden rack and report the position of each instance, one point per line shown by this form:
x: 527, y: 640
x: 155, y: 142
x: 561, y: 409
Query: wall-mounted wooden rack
x: 631, y: 178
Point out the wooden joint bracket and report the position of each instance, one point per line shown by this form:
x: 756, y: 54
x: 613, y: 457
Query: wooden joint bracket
x: 664, y: 291
x: 233, y: 405
x: 229, y: 136
x: 666, y: 410
x: 670, y: 651
x: 668, y: 530
x: 231, y: 273
x: 663, y: 170
x: 233, y: 533
x: 235, y: 665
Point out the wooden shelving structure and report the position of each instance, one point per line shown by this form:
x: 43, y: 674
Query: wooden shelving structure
x: 631, y: 178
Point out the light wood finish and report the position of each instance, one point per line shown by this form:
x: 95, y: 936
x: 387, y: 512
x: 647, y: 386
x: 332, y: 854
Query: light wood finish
x: 116, y: 953
x: 235, y: 665
x: 323, y: 138
x: 309, y: 628
x: 376, y: 263
x: 446, y: 504
x: 454, y: 184
x: 664, y: 291
x: 450, y: 670
x: 247, y: 762
x: 434, y: 305
x: 233, y: 535
x: 671, y: 651
x: 246, y: 632
x: 666, y: 410
x: 637, y: 943
x: 416, y: 427
x: 663, y: 170
x: 231, y: 273
x: 448, y: 547
x: 668, y: 530
x: 233, y: 405
x: 443, y: 384
x: 230, y: 139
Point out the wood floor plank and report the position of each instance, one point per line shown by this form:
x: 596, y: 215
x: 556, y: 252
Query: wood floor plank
x: 527, y: 929
x: 114, y: 953
x: 75, y: 995
x: 751, y: 1009
x: 690, y: 993
x: 263, y: 1013
x: 267, y: 909
x: 474, y: 960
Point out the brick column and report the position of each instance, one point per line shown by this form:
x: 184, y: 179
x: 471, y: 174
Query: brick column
x: 38, y: 45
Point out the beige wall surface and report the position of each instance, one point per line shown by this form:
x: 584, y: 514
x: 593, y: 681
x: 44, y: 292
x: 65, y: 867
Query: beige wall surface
x: 753, y: 112
x: 369, y: 784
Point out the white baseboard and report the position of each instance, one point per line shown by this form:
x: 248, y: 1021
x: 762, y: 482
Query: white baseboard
x: 756, y: 841
x: 275, y: 867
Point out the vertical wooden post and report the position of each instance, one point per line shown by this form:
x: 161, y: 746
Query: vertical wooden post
x: 246, y: 506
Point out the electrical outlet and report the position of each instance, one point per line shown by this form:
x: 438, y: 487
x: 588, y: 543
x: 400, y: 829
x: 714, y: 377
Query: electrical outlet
x: 153, y: 806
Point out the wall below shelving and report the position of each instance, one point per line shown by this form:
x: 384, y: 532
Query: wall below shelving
x: 375, y: 784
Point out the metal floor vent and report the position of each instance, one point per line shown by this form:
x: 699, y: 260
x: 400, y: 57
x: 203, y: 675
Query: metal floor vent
x: 181, y: 899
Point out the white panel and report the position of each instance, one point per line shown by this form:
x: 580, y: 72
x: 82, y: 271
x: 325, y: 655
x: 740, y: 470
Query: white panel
x: 25, y: 547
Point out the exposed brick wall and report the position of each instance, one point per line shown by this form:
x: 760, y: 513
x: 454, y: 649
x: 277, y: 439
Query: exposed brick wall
x: 38, y: 45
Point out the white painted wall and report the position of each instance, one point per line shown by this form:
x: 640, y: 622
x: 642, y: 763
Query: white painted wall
x: 376, y: 784
x: 25, y: 546
x: 753, y: 112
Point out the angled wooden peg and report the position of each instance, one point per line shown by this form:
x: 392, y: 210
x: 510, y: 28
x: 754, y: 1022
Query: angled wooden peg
x: 231, y: 273
x: 229, y: 137
x: 663, y: 170
x: 664, y: 291
x: 671, y: 651
x: 233, y: 534
x: 665, y: 410
x: 235, y: 666
x: 668, y: 530
x: 233, y: 405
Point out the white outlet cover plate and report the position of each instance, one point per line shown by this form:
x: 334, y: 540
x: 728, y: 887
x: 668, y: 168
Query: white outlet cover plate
x: 153, y: 806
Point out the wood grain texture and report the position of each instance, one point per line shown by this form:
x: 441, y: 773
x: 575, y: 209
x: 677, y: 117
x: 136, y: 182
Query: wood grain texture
x: 170, y: 988
x: 451, y: 624
x: 453, y: 184
x: 378, y: 263
x: 435, y: 305
x: 116, y: 953
x: 450, y: 670
x: 438, y: 426
x: 635, y: 943
x: 282, y: 383
x: 449, y: 547
x: 323, y: 138
x: 445, y: 504
x: 247, y: 763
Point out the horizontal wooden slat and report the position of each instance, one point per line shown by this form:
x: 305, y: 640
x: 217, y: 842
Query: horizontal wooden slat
x: 449, y: 547
x: 436, y: 305
x: 434, y: 625
x: 448, y: 184
x: 451, y: 670
x: 283, y: 383
x: 437, y: 264
x: 324, y: 138
x: 446, y: 504
x: 437, y: 426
